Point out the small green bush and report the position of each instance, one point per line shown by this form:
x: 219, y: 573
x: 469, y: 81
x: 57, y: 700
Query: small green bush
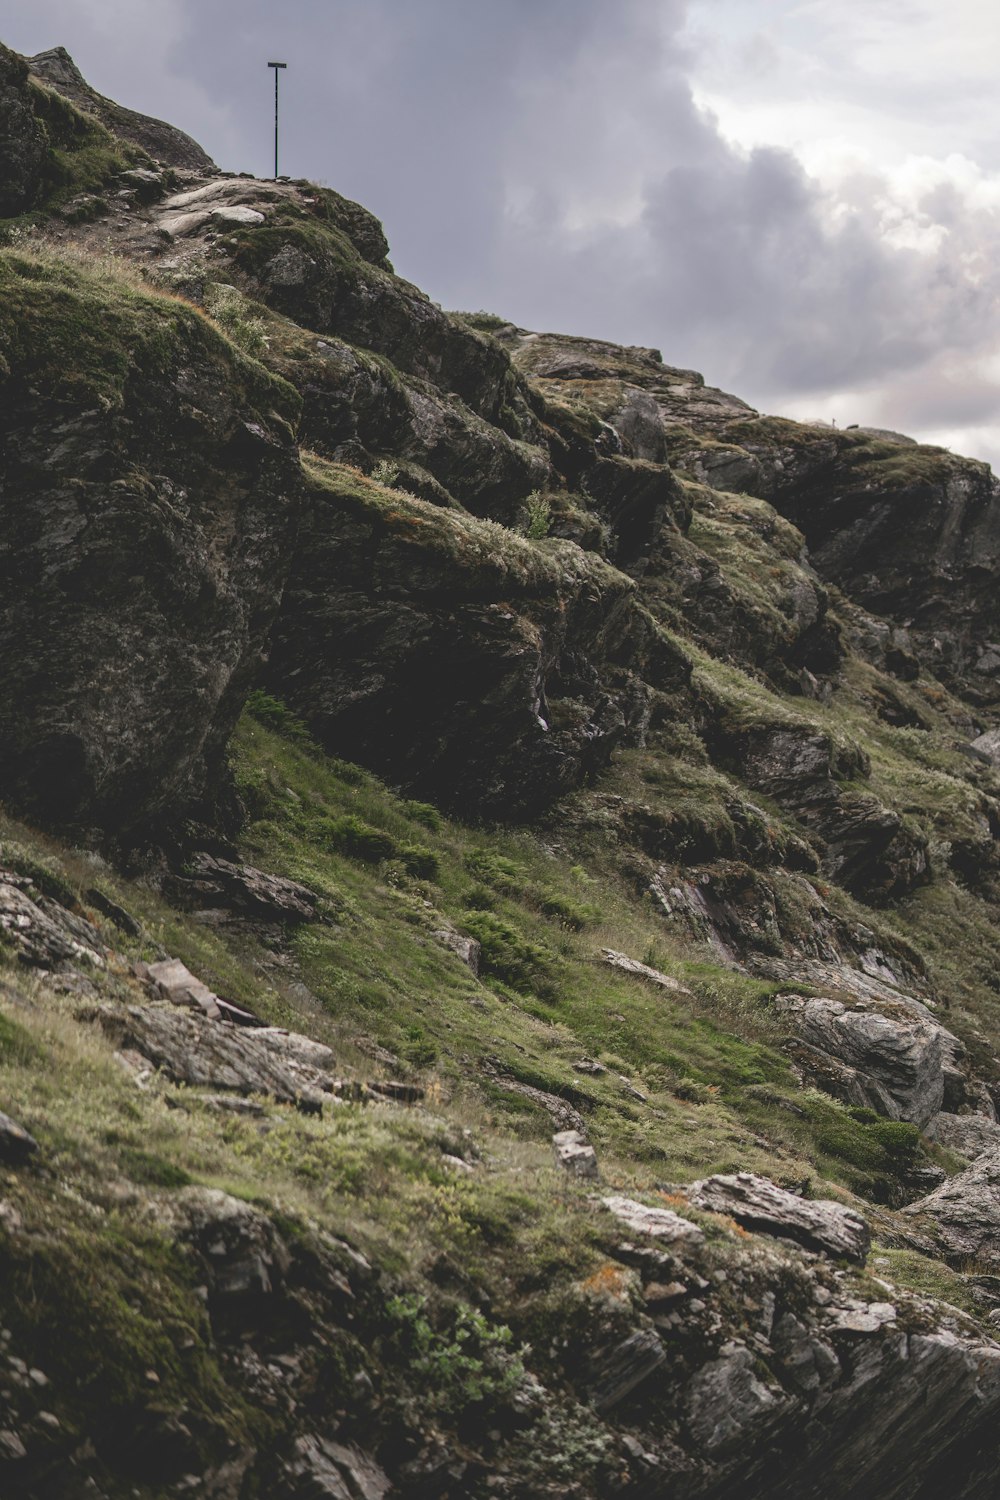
x: 424, y: 814
x: 573, y: 915
x: 386, y: 473
x: 508, y: 956
x: 536, y: 516
x: 420, y: 862
x: 275, y: 715
x: 470, y: 1364
x: 357, y: 839
x: 494, y: 870
x: 231, y: 311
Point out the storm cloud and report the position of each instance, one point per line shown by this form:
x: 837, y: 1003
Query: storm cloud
x: 621, y: 171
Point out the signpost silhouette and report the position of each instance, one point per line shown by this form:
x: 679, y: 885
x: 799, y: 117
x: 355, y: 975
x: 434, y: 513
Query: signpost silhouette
x: 276, y: 66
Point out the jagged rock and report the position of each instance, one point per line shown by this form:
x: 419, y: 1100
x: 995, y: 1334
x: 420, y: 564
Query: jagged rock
x: 327, y: 1470
x: 965, y: 1211
x: 44, y: 933
x: 163, y: 142
x: 658, y: 1223
x: 988, y: 745
x: 16, y: 1144
x: 834, y: 1076
x: 627, y: 1366
x: 868, y: 1319
x: 643, y: 971
x: 191, y: 1049
x: 969, y: 1134
x: 176, y: 983
x: 118, y: 914
x: 560, y: 1110
x: 453, y: 657
x: 466, y: 948
x: 163, y: 491
x: 23, y: 142
x: 210, y: 881
x: 238, y: 1247
x: 575, y: 1154
x: 901, y: 1057
x: 807, y: 1360
x: 729, y: 1406
x: 866, y: 846
x: 819, y: 1224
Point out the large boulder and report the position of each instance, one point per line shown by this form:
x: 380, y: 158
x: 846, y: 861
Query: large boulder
x: 900, y: 1059
x: 149, y: 497
x: 759, y: 1204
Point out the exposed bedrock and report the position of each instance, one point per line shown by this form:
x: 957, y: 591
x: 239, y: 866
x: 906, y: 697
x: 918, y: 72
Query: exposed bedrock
x: 164, y: 142
x: 23, y: 144
x: 909, y: 531
x: 894, y: 1063
x: 865, y: 846
x: 456, y: 658
x: 148, y: 495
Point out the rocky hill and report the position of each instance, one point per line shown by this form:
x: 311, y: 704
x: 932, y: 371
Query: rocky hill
x: 498, y: 884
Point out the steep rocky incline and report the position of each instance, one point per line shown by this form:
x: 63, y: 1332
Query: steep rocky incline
x: 685, y: 849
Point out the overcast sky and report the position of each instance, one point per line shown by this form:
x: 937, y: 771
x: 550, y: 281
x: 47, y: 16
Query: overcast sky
x: 801, y: 198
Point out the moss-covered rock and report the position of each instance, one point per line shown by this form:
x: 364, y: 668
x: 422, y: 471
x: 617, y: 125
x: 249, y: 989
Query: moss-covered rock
x: 150, y: 501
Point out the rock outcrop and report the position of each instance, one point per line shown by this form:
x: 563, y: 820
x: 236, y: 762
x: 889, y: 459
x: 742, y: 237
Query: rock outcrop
x: 163, y: 142
x: 139, y: 583
x: 452, y: 655
x: 965, y: 1212
x: 753, y: 1201
x: 895, y: 1062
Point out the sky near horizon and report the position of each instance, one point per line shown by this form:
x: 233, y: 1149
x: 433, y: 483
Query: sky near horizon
x: 800, y: 198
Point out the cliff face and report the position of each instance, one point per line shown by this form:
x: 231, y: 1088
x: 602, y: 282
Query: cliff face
x: 684, y: 848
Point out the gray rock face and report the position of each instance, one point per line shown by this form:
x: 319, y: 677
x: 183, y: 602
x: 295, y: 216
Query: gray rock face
x: 658, y: 1223
x: 466, y: 948
x: 632, y: 966
x: 575, y: 1154
x: 16, y: 1143
x: 205, y: 1053
x: 237, y: 1246
x: 917, y: 541
x: 627, y: 1366
x: 326, y: 1470
x: 44, y: 933
x: 729, y: 1406
x: 148, y: 513
x: 819, y: 1224
x: 866, y: 846
x: 965, y: 1211
x: 972, y: 1135
x: 898, y: 1060
x: 213, y: 882
x: 988, y: 744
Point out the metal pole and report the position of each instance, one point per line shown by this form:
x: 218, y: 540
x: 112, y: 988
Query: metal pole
x: 276, y: 66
